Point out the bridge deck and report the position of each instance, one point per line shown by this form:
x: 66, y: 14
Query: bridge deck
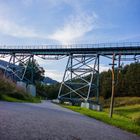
x: 101, y: 49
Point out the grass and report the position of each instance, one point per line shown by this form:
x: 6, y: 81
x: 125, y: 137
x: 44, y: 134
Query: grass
x: 127, y: 118
x: 11, y: 99
x: 131, y: 112
x: 120, y: 101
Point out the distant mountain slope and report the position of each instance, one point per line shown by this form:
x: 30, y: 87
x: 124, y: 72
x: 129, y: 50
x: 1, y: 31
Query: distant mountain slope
x: 3, y: 64
x: 48, y: 80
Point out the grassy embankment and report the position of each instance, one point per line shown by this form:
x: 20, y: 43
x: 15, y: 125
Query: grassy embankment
x: 9, y: 92
x: 126, y: 116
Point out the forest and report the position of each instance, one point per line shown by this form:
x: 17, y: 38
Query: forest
x: 127, y: 83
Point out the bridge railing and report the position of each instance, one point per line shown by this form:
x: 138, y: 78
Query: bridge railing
x: 99, y: 45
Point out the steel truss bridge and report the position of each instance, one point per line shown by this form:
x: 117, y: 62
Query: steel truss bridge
x: 81, y: 76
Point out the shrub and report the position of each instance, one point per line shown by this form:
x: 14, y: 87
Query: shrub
x: 9, y: 92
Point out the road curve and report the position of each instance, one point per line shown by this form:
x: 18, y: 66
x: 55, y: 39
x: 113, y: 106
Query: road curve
x: 47, y: 121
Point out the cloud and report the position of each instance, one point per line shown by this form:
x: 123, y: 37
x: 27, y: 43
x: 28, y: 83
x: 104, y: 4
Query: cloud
x: 103, y: 68
x: 74, y: 28
x: 9, y: 25
x: 13, y: 29
x: 54, y: 74
x: 50, y: 68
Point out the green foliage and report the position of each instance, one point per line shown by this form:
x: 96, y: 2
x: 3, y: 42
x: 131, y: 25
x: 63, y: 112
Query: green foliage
x: 9, y: 92
x: 105, y: 84
x: 136, y: 119
x: 47, y: 91
x: 118, y: 119
x: 128, y: 83
x: 34, y: 73
x: 52, y: 91
x: 9, y: 99
x: 131, y: 112
x: 40, y: 90
x: 120, y: 101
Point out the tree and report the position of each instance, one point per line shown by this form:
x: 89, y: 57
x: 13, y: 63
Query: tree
x: 34, y: 72
x: 132, y: 78
x: 105, y: 84
x: 128, y: 83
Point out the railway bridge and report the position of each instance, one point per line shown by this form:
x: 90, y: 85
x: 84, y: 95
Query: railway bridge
x: 81, y: 77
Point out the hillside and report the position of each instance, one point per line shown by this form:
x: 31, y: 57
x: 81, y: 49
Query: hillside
x: 49, y: 81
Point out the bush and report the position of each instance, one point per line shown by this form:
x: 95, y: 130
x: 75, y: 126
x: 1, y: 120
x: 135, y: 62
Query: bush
x: 10, y: 92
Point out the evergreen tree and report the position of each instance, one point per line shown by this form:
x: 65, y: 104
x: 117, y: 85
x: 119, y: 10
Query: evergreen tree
x: 34, y: 73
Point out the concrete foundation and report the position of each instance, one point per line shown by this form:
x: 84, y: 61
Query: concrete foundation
x: 31, y: 89
x: 56, y: 101
x: 21, y: 85
x: 67, y: 103
x: 91, y: 106
x: 85, y: 105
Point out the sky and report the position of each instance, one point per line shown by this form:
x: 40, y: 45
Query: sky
x: 42, y: 22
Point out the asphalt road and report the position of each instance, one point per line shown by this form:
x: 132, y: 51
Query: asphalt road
x: 47, y: 121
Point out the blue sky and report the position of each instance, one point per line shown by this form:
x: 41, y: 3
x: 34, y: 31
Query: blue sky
x: 35, y: 22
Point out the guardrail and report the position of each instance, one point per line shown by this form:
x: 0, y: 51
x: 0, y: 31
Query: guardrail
x: 99, y: 45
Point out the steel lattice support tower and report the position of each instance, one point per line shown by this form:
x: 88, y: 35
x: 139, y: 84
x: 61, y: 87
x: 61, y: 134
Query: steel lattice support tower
x: 17, y: 67
x: 81, y: 79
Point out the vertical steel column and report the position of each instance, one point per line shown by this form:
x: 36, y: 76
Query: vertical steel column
x: 13, y: 76
x: 32, y: 68
x: 60, y: 89
x: 71, y: 60
x: 91, y: 79
x: 98, y: 77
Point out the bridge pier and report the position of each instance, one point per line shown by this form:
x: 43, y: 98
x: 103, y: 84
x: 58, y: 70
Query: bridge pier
x: 92, y: 106
x: 31, y: 89
x: 81, y: 79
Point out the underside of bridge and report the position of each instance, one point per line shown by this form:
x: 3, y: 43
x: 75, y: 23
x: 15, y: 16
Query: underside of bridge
x: 81, y: 77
